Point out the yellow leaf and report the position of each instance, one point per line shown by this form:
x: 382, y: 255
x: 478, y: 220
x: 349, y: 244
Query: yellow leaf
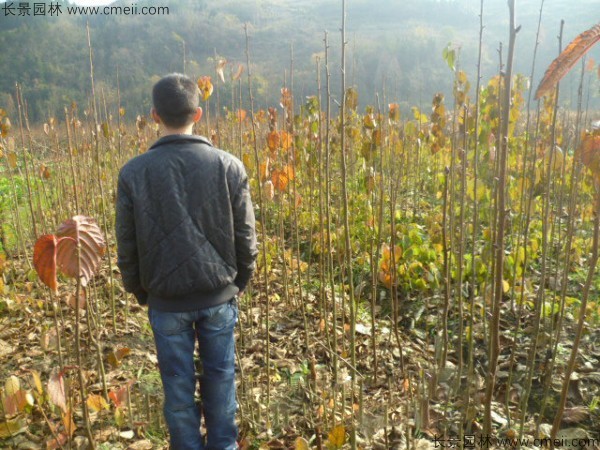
x: 301, y: 444
x: 248, y: 161
x: 68, y: 422
x: 12, y: 159
x: 12, y: 386
x: 505, y: 286
x: 119, y: 417
x: 96, y: 402
x: 9, y: 428
x: 337, y: 436
x: 206, y: 87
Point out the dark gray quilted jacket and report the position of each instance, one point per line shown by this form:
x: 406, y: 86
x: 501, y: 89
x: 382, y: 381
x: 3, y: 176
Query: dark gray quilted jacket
x: 185, y: 225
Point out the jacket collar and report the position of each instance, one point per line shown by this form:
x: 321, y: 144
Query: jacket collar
x: 180, y: 139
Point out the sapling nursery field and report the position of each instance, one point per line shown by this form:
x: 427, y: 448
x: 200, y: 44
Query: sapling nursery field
x: 424, y: 276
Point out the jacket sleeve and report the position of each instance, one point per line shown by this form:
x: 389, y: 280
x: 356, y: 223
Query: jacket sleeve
x: 245, y: 232
x: 127, y: 251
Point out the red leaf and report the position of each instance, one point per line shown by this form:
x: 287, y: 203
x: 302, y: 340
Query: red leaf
x: 44, y: 260
x: 567, y: 59
x: 56, y: 390
x: 15, y: 403
x: 92, y: 246
x: 119, y: 397
x: 61, y: 439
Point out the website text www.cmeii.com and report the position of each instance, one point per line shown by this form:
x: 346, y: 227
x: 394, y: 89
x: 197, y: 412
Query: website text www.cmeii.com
x: 486, y: 442
x: 55, y: 9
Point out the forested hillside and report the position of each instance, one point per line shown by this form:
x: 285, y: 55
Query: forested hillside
x: 394, y: 48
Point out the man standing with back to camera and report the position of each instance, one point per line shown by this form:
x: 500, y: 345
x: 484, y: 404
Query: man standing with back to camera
x: 186, y: 247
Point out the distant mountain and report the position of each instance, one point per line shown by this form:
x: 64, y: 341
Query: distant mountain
x: 394, y: 48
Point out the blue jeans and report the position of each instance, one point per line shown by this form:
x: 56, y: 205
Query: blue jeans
x: 175, y: 335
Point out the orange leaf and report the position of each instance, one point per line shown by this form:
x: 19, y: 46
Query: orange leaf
x: 122, y: 352
x: 280, y: 180
x: 394, y: 113
x: 286, y: 140
x: 44, y: 171
x: 590, y: 153
x: 290, y: 172
x: 273, y: 140
x: 241, y: 115
x: 567, y: 59
x: 44, y: 260
x: 385, y: 278
x: 114, y: 358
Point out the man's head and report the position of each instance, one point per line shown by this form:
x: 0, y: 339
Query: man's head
x: 175, y: 98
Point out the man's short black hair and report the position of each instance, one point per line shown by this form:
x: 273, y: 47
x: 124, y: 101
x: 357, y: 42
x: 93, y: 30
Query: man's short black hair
x: 175, y: 98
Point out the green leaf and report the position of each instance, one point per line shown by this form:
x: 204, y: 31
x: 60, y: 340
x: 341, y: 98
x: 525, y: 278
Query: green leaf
x: 449, y: 56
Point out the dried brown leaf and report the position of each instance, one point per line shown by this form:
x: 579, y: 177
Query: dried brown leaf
x: 576, y: 414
